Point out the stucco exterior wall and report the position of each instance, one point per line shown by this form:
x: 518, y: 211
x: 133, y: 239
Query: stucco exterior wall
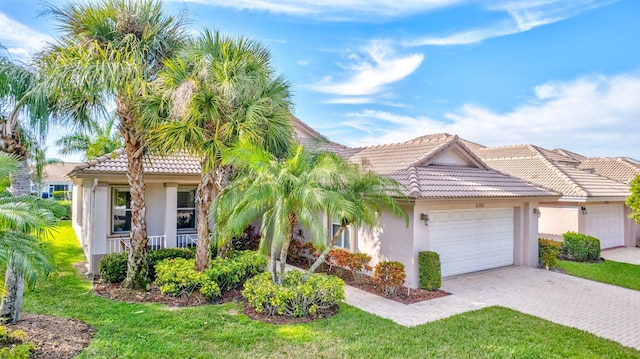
x: 558, y: 218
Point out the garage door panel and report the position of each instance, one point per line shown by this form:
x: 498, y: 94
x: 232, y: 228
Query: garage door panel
x: 472, y: 240
x: 606, y: 222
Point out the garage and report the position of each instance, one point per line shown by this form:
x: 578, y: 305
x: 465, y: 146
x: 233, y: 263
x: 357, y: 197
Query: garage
x: 472, y: 240
x: 606, y: 222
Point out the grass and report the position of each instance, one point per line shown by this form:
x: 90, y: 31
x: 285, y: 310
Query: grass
x: 127, y: 330
x: 621, y: 274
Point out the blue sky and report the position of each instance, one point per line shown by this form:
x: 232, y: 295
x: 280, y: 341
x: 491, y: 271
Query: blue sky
x: 552, y: 73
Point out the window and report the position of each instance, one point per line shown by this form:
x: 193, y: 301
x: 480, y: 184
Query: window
x: 343, y: 241
x: 121, y: 210
x: 186, y: 210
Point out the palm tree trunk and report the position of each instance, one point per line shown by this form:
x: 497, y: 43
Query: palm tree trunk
x: 284, y: 251
x: 204, y: 196
x: 274, y: 266
x: 222, y: 176
x: 14, y: 284
x: 137, y: 268
x: 324, y: 253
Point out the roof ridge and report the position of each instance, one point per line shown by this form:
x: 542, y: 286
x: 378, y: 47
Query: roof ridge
x: 414, y: 182
x: 563, y: 175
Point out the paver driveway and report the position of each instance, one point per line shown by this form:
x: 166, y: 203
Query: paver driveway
x: 602, y: 309
x: 605, y: 310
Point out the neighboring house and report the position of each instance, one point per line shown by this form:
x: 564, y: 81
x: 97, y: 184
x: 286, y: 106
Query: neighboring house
x: 621, y: 169
x: 54, y: 179
x: 590, y: 203
x: 476, y: 218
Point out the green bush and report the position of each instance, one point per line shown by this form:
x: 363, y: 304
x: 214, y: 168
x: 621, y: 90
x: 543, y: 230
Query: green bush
x: 67, y: 208
x: 430, y: 272
x: 390, y: 275
x: 228, y: 273
x: 293, y: 298
x: 113, y: 266
x: 548, y: 251
x: 13, y: 345
x: 61, y: 195
x: 178, y: 277
x: 580, y: 247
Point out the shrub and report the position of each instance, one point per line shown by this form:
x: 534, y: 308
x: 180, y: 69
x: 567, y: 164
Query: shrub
x: 580, y: 247
x: 293, y: 298
x: 430, y: 273
x: 548, y: 251
x: 177, y: 277
x: 67, y: 209
x: 390, y: 275
x: 12, y: 344
x: 248, y: 240
x: 358, y: 264
x: 228, y: 273
x: 113, y: 266
x: 61, y: 195
x: 337, y: 257
x: 300, y: 250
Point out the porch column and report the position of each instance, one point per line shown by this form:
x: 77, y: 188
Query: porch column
x: 170, y: 208
x: 101, y: 218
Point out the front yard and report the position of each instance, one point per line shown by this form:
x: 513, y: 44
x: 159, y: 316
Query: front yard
x: 214, y: 331
x: 621, y: 274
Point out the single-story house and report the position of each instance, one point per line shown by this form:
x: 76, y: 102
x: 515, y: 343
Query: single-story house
x: 590, y: 203
x: 475, y: 217
x: 621, y: 169
x: 54, y: 179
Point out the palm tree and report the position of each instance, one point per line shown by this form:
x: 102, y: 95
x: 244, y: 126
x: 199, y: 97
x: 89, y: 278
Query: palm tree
x: 97, y: 140
x: 24, y: 220
x: 21, y: 110
x: 218, y: 91
x: 110, y: 50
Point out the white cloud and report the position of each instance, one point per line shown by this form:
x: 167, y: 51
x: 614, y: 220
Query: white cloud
x: 19, y: 39
x: 349, y: 100
x: 523, y: 16
x: 334, y: 9
x: 369, y: 75
x: 595, y: 116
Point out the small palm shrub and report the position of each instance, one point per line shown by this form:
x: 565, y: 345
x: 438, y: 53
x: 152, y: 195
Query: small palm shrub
x: 293, y: 298
x: 580, y: 247
x: 390, y: 276
x: 548, y: 251
x: 13, y: 345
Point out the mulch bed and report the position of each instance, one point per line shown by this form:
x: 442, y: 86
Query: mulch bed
x: 403, y: 295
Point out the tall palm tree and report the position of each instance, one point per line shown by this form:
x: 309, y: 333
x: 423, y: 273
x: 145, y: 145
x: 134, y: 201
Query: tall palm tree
x: 219, y: 91
x: 110, y: 50
x: 24, y: 221
x: 96, y: 140
x: 23, y: 113
x: 280, y: 192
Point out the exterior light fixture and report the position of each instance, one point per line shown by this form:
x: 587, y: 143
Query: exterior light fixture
x: 536, y: 211
x: 424, y: 217
x: 583, y: 209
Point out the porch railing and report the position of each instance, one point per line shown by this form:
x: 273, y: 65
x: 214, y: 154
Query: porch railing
x: 119, y: 245
x: 187, y: 240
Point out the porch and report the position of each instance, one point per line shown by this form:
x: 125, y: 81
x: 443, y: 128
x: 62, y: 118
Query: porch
x: 123, y: 244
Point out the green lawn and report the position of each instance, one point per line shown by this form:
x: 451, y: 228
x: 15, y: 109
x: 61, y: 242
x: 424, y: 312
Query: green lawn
x: 616, y: 273
x: 223, y: 331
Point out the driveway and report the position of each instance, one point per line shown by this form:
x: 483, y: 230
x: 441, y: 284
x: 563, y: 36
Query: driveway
x: 624, y: 254
x: 607, y: 311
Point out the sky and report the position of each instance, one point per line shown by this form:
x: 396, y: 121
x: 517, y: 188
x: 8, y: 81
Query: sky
x: 553, y: 73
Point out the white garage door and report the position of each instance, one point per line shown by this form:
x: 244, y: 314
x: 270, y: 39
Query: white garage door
x: 606, y: 222
x: 472, y: 240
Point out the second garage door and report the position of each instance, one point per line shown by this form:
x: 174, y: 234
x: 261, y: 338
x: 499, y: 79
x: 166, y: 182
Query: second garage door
x: 472, y: 240
x: 606, y: 222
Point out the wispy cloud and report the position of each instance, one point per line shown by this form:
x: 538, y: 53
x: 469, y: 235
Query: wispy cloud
x: 523, y: 16
x: 370, y: 72
x: 334, y: 9
x: 596, y: 116
x: 20, y: 40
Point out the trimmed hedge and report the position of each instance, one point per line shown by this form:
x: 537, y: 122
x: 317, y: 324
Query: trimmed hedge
x: 580, y: 247
x: 113, y: 266
x: 429, y: 270
x: 293, y: 298
x: 548, y: 251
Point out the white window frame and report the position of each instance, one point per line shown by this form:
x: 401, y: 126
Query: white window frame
x: 335, y: 225
x: 112, y: 210
x: 194, y: 209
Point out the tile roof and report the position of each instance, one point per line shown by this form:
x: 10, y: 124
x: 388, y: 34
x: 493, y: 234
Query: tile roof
x: 620, y: 169
x: 551, y: 170
x: 58, y: 171
x: 116, y: 163
x: 570, y: 154
x: 412, y: 163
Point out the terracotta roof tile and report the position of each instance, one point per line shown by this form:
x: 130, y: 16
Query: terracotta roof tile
x: 620, y: 169
x: 116, y: 163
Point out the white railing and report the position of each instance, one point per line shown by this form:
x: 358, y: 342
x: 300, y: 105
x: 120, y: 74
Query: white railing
x: 119, y: 245
x: 187, y: 240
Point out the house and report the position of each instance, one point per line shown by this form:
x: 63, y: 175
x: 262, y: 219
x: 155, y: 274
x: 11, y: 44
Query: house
x: 475, y: 217
x: 590, y: 203
x: 54, y: 179
x: 621, y: 169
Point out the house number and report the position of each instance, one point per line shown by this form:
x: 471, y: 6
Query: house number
x: 479, y: 205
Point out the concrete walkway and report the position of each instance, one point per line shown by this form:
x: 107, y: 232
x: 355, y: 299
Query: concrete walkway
x: 607, y: 311
x: 624, y: 254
